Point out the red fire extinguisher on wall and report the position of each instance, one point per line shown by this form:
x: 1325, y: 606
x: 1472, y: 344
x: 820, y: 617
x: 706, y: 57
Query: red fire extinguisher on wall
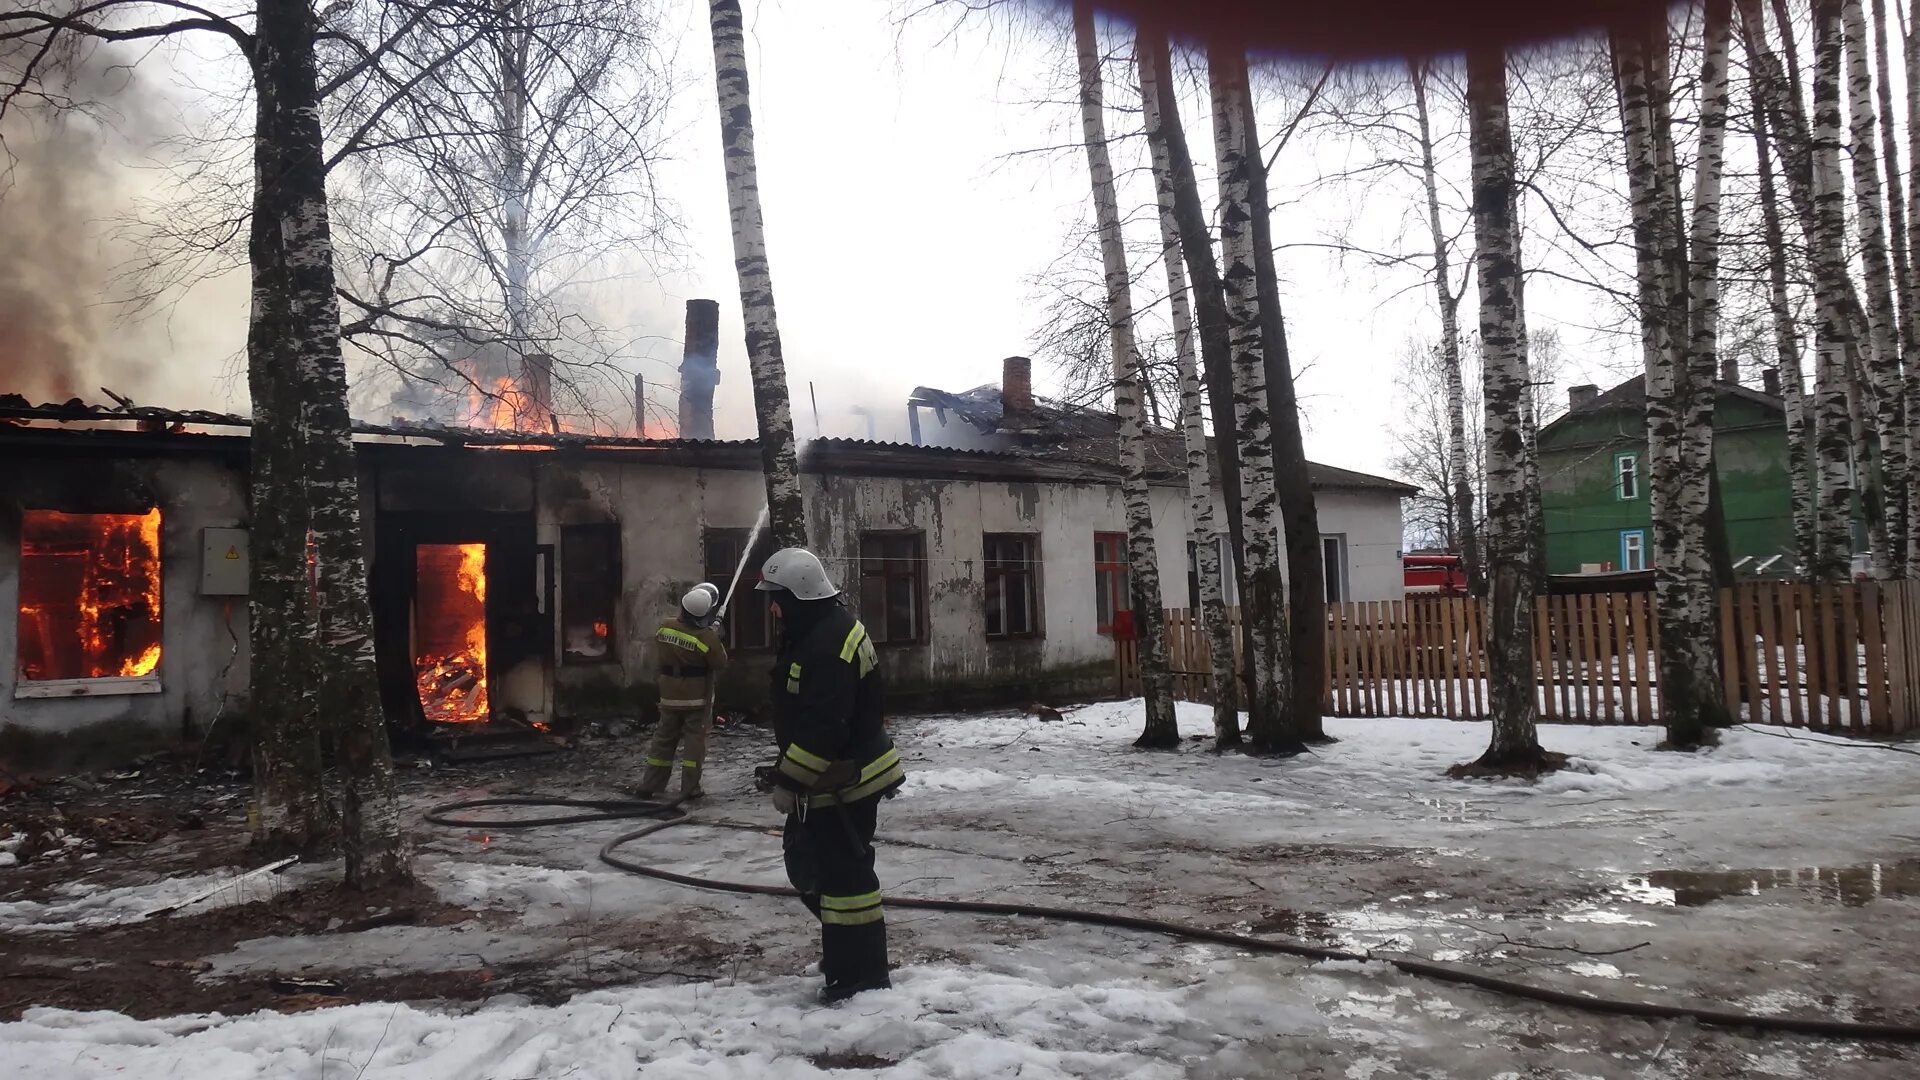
x: 1123, y: 626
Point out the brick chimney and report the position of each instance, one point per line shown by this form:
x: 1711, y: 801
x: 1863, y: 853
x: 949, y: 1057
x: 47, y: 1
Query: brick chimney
x: 699, y: 369
x: 1016, y: 394
x: 1770, y: 380
x: 1582, y: 397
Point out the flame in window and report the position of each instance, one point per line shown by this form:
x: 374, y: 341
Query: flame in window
x: 89, y: 595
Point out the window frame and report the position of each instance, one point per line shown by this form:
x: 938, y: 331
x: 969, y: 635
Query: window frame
x: 1625, y: 563
x: 611, y: 531
x: 1334, y: 572
x: 1631, y: 460
x: 1029, y: 570
x: 915, y: 571
x: 90, y: 685
x: 1112, y: 579
x: 748, y: 598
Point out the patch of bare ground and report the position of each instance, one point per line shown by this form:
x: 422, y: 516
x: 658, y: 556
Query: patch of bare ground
x: 1521, y: 767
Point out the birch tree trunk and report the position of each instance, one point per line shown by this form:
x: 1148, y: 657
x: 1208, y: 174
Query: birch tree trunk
x: 1151, y: 52
x: 1143, y: 560
x: 1833, y: 329
x: 1515, y: 745
x: 1896, y: 204
x: 1468, y: 540
x: 1264, y: 606
x: 1910, y: 306
x: 291, y: 811
x: 514, y: 199
x: 1702, y: 540
x: 786, y: 515
x: 1293, y: 482
x: 1786, y: 339
x: 1672, y: 344
x: 1216, y: 349
x: 299, y: 244
x: 1883, y: 356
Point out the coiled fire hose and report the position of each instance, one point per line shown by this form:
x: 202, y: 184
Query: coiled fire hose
x: 670, y: 814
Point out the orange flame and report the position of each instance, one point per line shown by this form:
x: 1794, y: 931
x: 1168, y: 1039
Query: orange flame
x: 451, y: 627
x: 89, y: 603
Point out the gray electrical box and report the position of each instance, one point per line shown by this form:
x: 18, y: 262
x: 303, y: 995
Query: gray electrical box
x: 223, y: 562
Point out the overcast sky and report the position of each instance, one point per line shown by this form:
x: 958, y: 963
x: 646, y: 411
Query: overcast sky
x: 907, y: 218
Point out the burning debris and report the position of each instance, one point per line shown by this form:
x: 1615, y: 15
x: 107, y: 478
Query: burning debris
x: 89, y: 595
x: 450, y: 632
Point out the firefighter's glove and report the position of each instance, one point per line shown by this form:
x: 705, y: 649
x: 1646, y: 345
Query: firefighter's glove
x: 786, y: 800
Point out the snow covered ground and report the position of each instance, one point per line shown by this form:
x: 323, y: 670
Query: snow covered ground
x: 1771, y: 874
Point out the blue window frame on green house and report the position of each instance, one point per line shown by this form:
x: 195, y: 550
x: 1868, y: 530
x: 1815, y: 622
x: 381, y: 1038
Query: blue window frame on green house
x: 1633, y: 549
x: 1626, y: 476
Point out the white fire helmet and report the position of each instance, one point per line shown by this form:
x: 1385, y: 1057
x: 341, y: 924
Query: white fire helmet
x: 798, y: 571
x: 700, y: 602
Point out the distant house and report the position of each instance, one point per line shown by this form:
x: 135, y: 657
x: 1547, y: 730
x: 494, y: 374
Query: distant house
x: 1596, y: 489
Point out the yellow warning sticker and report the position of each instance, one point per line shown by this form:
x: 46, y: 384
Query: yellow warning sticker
x: 233, y: 553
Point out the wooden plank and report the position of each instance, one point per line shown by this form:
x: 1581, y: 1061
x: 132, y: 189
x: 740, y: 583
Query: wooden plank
x: 1344, y: 696
x: 1419, y: 634
x: 1389, y: 685
x: 1873, y: 637
x: 1604, y: 654
x: 1543, y: 658
x: 1477, y: 655
x: 1642, y: 658
x: 1848, y: 657
x: 1428, y: 657
x: 1458, y: 645
x: 1730, y: 662
x: 1583, y: 612
x: 1626, y: 663
x: 1899, y: 671
x: 1830, y: 655
x: 1793, y: 638
x: 1766, y: 709
x: 1401, y: 626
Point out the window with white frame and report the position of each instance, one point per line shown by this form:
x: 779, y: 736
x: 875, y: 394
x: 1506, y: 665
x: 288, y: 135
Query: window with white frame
x: 1633, y: 549
x: 1626, y: 476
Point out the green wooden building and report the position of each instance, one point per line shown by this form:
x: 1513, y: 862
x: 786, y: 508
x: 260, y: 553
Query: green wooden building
x: 1595, y: 484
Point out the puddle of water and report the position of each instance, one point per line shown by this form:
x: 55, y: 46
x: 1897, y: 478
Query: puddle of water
x: 1848, y: 885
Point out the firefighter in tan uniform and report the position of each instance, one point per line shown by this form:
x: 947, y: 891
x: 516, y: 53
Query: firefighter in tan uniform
x: 691, y: 657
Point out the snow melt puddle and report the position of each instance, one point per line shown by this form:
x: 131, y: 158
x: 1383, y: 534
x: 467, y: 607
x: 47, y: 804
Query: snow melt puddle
x: 1851, y: 886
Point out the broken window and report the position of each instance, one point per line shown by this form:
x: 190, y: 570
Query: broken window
x: 1113, y: 588
x: 1012, y: 565
x: 89, y: 596
x: 893, y: 586
x: 589, y: 591
x: 750, y: 623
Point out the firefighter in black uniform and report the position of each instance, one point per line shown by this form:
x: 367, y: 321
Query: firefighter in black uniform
x: 836, y: 762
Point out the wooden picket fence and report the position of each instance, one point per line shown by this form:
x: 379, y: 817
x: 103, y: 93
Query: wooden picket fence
x: 1842, y: 658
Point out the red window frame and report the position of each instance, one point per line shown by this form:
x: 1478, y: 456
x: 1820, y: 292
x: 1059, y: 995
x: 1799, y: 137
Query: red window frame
x: 1112, y: 578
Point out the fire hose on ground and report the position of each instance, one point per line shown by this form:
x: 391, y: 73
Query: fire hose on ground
x: 669, y: 814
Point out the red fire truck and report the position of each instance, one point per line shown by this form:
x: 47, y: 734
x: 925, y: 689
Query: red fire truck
x: 1443, y: 574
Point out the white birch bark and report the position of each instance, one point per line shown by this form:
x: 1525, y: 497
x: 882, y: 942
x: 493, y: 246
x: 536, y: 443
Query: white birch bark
x: 1911, y: 307
x: 1149, y: 614
x: 1515, y: 744
x: 1882, y: 358
x: 1264, y: 608
x: 786, y: 515
x: 1833, y: 329
x: 1786, y: 339
x: 1896, y: 204
x: 1449, y: 303
x: 295, y: 239
x: 1206, y: 546
x: 1676, y: 341
x: 1698, y: 640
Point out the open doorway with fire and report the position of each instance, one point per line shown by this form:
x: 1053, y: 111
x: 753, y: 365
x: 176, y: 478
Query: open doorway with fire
x: 464, y: 627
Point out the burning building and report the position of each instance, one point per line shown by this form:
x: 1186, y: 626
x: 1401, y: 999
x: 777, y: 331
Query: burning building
x: 516, y: 578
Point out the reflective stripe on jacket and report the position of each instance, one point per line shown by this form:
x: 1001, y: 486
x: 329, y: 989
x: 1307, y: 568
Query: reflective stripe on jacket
x: 829, y: 716
x: 689, y: 657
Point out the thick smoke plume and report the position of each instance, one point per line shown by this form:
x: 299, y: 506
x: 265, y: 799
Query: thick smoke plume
x: 64, y: 326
